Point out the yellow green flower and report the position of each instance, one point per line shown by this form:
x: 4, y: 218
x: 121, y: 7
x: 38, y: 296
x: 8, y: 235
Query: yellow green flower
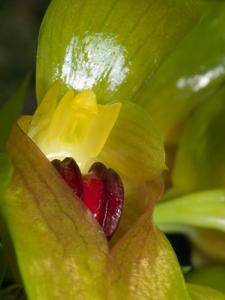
x: 74, y: 126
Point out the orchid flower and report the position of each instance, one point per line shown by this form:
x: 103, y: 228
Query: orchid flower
x: 95, y: 60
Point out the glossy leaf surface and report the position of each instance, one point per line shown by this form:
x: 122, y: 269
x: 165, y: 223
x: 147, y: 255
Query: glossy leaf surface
x: 53, y: 234
x: 193, y: 69
x: 109, y: 46
x: 200, y: 162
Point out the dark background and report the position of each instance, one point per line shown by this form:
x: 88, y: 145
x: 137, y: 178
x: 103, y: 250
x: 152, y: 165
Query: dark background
x: 19, y: 26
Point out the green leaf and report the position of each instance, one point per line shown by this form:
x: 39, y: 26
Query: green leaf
x: 144, y: 266
x: 189, y: 73
x: 60, y: 249
x: 200, y: 161
x: 204, y: 209
x: 109, y: 46
x: 134, y: 147
x: 201, y: 216
x: 11, y: 110
x: 212, y: 276
x: 198, y: 292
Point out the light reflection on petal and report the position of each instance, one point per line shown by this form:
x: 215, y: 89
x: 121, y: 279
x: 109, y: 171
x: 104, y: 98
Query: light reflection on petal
x: 101, y: 57
x: 200, y: 81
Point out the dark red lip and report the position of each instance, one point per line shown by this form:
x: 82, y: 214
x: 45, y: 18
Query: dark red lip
x: 101, y: 190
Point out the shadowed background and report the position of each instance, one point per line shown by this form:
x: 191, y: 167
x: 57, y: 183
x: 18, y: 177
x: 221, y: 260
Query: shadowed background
x: 19, y: 27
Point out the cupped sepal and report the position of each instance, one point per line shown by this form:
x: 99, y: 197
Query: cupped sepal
x: 145, y: 266
x: 60, y: 249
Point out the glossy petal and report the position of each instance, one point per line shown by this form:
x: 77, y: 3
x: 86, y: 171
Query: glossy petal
x: 104, y: 45
x: 200, y: 161
x: 194, y: 69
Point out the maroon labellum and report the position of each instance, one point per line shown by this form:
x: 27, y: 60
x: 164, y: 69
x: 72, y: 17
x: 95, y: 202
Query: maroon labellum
x: 70, y: 172
x: 101, y: 190
x: 94, y: 196
x: 114, y: 196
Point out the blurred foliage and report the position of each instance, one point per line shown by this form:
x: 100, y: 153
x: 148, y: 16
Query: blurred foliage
x: 19, y: 27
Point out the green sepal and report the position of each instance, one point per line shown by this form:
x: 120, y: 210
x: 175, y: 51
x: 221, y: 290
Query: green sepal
x: 61, y: 251
x: 144, y: 265
x: 195, y: 68
x: 200, y: 160
x: 104, y: 45
x: 134, y: 147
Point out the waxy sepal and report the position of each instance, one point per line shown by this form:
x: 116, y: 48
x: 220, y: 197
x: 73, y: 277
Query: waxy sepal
x: 61, y: 250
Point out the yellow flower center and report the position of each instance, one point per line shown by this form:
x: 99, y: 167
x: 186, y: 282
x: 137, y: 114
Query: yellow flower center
x: 74, y: 126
